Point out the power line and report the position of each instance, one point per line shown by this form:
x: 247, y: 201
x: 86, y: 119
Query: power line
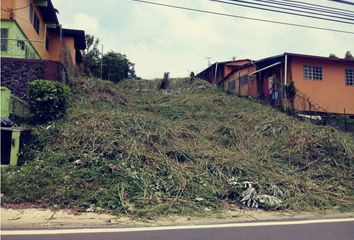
x: 14, y: 9
x: 316, y: 5
x: 233, y: 2
x: 17, y: 16
x: 306, y: 6
x: 242, y: 17
x: 341, y: 1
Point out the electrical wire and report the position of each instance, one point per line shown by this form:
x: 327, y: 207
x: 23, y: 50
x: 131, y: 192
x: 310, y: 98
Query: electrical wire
x: 14, y: 9
x: 315, y: 5
x: 242, y: 17
x: 314, y: 9
x: 233, y: 2
x: 18, y: 17
x: 341, y: 1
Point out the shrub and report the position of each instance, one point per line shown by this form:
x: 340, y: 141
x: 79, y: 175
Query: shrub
x: 165, y: 82
x: 48, y: 100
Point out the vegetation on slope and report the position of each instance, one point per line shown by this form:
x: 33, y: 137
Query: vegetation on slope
x: 132, y: 149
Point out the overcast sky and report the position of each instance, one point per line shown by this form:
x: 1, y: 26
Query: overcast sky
x: 159, y: 39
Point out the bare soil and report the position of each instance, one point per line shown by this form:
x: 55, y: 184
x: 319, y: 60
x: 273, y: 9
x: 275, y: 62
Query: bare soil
x: 39, y: 218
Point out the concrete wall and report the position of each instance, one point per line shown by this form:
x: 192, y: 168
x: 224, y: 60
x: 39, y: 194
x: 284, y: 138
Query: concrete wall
x: 17, y: 73
x: 55, y: 52
x: 5, y: 102
x: 330, y: 93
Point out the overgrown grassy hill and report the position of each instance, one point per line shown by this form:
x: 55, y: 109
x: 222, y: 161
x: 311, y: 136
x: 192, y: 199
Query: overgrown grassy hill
x: 135, y: 150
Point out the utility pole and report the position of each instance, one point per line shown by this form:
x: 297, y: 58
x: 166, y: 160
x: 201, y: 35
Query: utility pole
x: 102, y: 63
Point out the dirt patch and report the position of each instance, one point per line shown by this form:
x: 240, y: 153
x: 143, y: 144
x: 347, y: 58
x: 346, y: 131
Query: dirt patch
x: 45, y: 218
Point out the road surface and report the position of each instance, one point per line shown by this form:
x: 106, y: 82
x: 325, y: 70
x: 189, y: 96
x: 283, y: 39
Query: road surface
x: 325, y: 229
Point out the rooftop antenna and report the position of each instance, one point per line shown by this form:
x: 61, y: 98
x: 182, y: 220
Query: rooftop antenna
x: 209, y: 58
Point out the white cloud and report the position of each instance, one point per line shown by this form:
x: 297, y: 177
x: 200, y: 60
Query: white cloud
x: 89, y: 23
x: 161, y: 39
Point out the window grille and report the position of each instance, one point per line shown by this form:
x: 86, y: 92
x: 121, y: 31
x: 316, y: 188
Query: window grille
x: 349, y: 77
x: 313, y: 72
x: 4, y: 38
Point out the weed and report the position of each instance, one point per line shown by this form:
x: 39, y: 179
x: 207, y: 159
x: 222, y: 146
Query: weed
x: 131, y: 149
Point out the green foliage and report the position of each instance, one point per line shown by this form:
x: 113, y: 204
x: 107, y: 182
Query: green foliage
x: 165, y: 82
x: 332, y: 55
x: 48, y: 100
x: 117, y: 67
x: 192, y: 76
x: 290, y: 91
x: 92, y: 57
x: 348, y: 55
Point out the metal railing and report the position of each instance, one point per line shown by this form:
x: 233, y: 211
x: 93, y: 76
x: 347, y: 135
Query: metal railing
x: 16, y: 48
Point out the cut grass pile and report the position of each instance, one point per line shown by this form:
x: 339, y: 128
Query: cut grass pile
x: 131, y: 149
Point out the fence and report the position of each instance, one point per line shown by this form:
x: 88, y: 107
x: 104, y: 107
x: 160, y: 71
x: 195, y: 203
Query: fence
x: 306, y: 108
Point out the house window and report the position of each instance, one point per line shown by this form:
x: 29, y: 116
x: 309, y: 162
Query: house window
x: 232, y: 86
x: 313, y: 72
x: 243, y: 80
x: 47, y: 43
x: 21, y: 44
x: 4, y: 38
x: 34, y: 19
x: 349, y: 77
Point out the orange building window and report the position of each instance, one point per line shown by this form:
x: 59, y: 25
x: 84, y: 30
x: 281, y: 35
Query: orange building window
x: 243, y: 80
x: 349, y: 76
x: 47, y: 43
x: 313, y: 72
x: 34, y: 19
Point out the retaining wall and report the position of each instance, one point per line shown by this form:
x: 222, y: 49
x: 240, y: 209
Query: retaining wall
x: 16, y: 73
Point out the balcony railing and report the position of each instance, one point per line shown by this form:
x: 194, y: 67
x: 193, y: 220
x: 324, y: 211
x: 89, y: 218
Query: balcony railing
x: 16, y: 48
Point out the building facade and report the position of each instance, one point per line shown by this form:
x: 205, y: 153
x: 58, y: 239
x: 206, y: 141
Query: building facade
x: 30, y: 29
x: 323, y: 84
x: 34, y: 45
x: 217, y: 72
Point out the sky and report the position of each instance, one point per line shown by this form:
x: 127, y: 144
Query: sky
x: 159, y: 39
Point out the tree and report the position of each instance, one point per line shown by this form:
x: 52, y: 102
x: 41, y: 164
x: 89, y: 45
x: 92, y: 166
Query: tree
x: 91, y: 56
x: 332, y: 55
x: 117, y: 67
x: 348, y: 55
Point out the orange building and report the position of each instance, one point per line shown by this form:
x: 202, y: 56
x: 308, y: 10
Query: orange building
x: 327, y: 83
x: 30, y: 29
x: 323, y: 84
x: 238, y: 81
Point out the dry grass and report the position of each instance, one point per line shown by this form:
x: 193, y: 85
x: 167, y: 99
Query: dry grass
x: 131, y: 149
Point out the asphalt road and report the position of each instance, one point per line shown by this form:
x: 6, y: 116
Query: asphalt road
x: 296, y: 230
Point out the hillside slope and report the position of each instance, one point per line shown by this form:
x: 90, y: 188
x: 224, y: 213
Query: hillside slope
x: 134, y: 150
